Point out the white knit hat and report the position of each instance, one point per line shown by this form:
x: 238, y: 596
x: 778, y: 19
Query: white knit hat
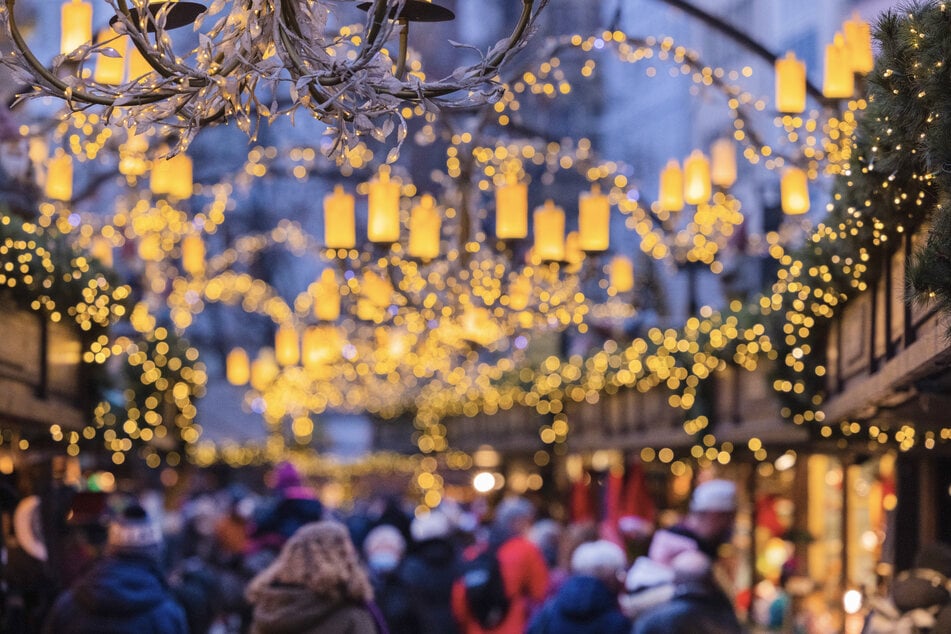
x: 432, y: 525
x: 134, y: 532
x: 600, y: 558
x: 716, y: 496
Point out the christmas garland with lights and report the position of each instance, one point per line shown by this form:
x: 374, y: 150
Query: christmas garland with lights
x: 897, y: 179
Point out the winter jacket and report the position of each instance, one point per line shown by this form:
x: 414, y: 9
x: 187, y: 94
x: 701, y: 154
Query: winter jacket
x: 698, y: 607
x: 526, y: 583
x: 428, y: 573
x: 395, y: 602
x: 119, y: 595
x: 285, y: 609
x: 583, y: 605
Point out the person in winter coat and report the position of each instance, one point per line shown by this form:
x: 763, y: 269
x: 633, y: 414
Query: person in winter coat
x: 383, y: 551
x: 523, y: 570
x: 428, y: 572
x: 125, y: 592
x: 315, y: 586
x: 294, y: 506
x: 587, y: 602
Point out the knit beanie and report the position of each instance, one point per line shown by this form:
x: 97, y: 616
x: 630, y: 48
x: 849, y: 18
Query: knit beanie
x: 133, y: 533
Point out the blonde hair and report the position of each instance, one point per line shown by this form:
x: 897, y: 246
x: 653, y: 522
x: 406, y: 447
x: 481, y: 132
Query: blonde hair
x: 321, y: 558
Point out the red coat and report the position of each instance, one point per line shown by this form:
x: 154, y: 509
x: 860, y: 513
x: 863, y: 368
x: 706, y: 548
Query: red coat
x: 526, y: 583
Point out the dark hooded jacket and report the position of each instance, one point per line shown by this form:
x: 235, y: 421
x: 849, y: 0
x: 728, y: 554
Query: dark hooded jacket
x: 427, y: 574
x: 698, y: 607
x: 583, y: 605
x: 286, y: 609
x: 119, y: 595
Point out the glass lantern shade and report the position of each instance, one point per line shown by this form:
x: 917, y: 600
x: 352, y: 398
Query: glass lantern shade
x: 339, y: 220
x: 594, y: 220
x: 790, y: 84
x: 550, y: 232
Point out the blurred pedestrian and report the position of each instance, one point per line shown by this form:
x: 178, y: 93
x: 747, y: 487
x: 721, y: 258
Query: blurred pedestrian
x: 587, y: 601
x: 383, y: 550
x: 429, y: 570
x: 315, y: 586
x: 698, y: 605
x: 124, y: 593
x: 523, y: 571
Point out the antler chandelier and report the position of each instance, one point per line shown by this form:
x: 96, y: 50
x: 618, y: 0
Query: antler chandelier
x: 254, y: 60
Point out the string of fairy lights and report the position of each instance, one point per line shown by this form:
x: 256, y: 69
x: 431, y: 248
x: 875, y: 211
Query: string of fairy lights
x: 384, y: 355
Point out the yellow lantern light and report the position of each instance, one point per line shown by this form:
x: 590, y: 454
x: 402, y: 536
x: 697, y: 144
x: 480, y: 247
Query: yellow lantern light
x: 838, y: 81
x: 594, y: 221
x: 723, y: 162
x: 193, y: 255
x: 621, y: 274
x: 101, y: 249
x: 377, y: 289
x: 520, y: 292
x: 321, y: 345
x: 160, y: 177
x: 790, y: 84
x: 263, y: 369
x: 326, y: 295
x: 549, y: 232
x: 150, y: 248
x: 132, y: 160
x: 671, y: 194
x: 182, y: 181
x: 238, y: 367
x: 794, y: 191
x: 76, y: 25
x: 858, y: 39
x: 286, y: 346
x: 574, y: 255
x: 511, y: 209
x: 697, y: 186
x: 424, y: 228
x: 138, y: 65
x: 339, y: 222
x: 383, y: 224
x: 111, y: 70
x: 59, y: 176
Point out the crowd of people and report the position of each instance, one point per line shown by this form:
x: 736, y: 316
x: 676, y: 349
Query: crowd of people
x: 286, y: 564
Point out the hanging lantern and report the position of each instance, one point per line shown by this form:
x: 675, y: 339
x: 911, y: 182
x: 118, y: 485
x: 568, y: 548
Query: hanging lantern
x: 263, y: 369
x: 238, y: 367
x: 182, y: 183
x: 594, y: 221
x: 424, y: 228
x: 150, y: 248
x: 377, y: 289
x: 794, y: 191
x: 520, y: 292
x: 193, y: 255
x: 76, y: 25
x: 321, y: 345
x: 326, y: 295
x: 511, y: 209
x: 101, y: 249
x: 697, y: 187
x: 671, y: 194
x: 59, y: 177
x: 132, y: 160
x: 111, y: 70
x: 138, y: 65
x: 339, y: 222
x: 858, y: 39
x: 383, y: 224
x: 621, y: 274
x: 790, y: 84
x: 838, y: 81
x: 549, y: 232
x: 286, y: 346
x: 723, y: 162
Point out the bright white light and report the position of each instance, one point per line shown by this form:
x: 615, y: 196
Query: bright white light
x: 483, y: 482
x: 852, y: 601
x: 786, y: 461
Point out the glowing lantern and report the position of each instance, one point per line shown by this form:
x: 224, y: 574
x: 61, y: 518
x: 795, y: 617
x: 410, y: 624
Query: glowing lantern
x: 520, y: 292
x: 697, y: 187
x: 263, y: 369
x: 132, y: 154
x: 839, y: 81
x: 150, y: 248
x: 383, y: 224
x: 339, y: 222
x: 621, y: 274
x: 511, y: 209
x: 172, y: 176
x: 794, y: 191
x: 138, y: 65
x: 671, y: 195
x: 790, y: 84
x: 76, y: 24
x: 111, y: 70
x: 59, y: 177
x: 101, y: 249
x: 424, y: 227
x: 287, y: 346
x: 238, y: 367
x: 550, y: 232
x: 594, y: 220
x: 193, y: 255
x: 326, y: 294
x: 321, y: 344
x: 723, y: 162
x: 377, y: 289
x: 858, y: 39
